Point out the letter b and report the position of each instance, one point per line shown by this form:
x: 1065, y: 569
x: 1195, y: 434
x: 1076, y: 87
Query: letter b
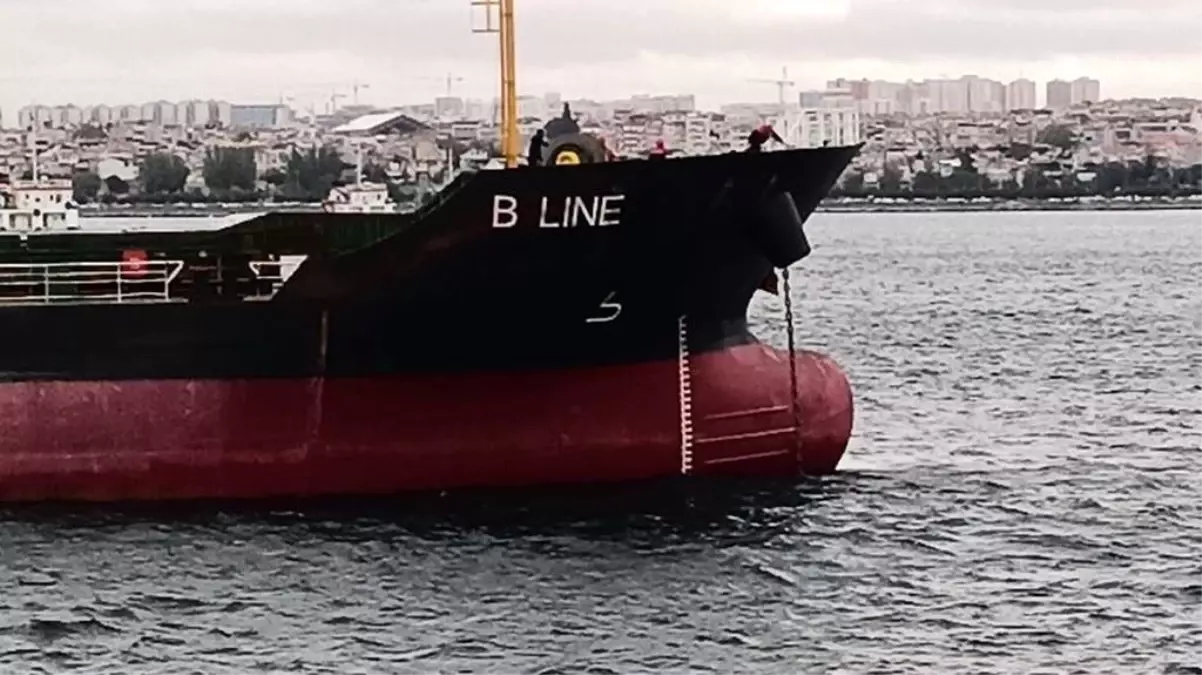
x: 504, y: 211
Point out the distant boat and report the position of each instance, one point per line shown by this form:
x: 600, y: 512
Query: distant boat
x: 361, y: 197
x: 41, y: 205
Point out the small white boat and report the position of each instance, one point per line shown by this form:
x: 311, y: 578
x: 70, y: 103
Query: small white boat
x: 38, y: 206
x: 362, y: 197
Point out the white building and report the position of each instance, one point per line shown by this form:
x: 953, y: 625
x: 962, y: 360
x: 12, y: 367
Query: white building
x: 129, y: 113
x: 1059, y: 95
x: 449, y: 108
x: 1085, y: 90
x: 119, y: 165
x: 880, y: 98
x: 692, y: 133
x: 37, y: 116
x: 533, y: 107
x: 984, y: 95
x: 815, y: 127
x: 1020, y: 95
x: 165, y: 113
x: 102, y: 115
x: 72, y: 115
x: 199, y: 113
x: 220, y: 112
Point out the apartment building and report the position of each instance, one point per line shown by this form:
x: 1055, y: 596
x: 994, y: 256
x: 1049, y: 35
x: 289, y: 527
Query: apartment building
x: 1059, y: 95
x: 1020, y: 95
x: 968, y: 94
x: 1085, y: 90
x: 161, y: 113
x: 1062, y: 94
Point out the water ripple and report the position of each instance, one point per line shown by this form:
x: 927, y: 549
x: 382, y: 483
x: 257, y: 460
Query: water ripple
x: 1020, y: 496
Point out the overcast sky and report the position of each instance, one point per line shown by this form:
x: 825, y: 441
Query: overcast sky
x: 83, y: 51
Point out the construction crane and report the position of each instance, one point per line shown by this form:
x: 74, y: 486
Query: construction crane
x: 450, y: 81
x: 355, y: 87
x: 501, y: 23
x: 781, y: 83
x: 334, y: 97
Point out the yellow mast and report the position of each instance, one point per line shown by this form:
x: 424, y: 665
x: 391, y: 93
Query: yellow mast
x: 503, y: 27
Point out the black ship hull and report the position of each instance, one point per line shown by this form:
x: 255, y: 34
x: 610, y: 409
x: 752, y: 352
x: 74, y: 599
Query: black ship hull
x: 538, y: 325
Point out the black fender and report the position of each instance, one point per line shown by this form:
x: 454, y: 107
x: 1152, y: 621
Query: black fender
x: 776, y: 228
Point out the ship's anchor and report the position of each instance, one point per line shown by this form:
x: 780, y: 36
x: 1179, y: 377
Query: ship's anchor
x: 794, y: 402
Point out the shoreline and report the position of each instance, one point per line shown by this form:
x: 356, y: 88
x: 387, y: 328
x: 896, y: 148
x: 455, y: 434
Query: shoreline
x: 929, y: 206
x: 827, y: 206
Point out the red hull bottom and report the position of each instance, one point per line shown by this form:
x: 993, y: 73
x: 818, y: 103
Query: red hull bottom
x: 727, y: 412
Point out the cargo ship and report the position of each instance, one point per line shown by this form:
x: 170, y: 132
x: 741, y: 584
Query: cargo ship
x: 582, y: 321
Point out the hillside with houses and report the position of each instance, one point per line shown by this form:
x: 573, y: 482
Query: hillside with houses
x: 1107, y: 148
x: 1103, y: 148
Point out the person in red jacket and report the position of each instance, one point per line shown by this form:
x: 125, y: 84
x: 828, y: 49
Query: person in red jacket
x: 659, y: 151
x: 761, y: 135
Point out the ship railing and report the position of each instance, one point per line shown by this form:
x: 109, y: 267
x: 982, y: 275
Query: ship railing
x: 273, y: 273
x: 270, y: 273
x: 267, y: 270
x: 88, y: 282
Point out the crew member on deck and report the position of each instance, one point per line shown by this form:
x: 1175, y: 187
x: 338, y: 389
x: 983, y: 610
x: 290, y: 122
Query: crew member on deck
x: 610, y: 155
x: 760, y: 136
x: 659, y: 151
x: 534, y: 156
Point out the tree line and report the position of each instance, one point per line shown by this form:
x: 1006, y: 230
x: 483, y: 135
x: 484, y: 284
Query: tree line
x: 1151, y: 177
x: 230, y: 174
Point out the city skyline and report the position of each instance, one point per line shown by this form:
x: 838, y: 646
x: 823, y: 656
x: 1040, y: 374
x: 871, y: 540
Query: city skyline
x: 319, y: 99
x: 965, y: 95
x: 1018, y: 94
x: 256, y: 51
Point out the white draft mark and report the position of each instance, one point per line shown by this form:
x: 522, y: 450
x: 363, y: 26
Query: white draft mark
x: 612, y: 308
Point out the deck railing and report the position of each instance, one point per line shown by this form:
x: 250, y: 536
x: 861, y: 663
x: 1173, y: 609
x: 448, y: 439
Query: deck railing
x: 88, y: 282
x: 273, y: 273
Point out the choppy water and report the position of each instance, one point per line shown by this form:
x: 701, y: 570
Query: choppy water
x: 1021, y: 496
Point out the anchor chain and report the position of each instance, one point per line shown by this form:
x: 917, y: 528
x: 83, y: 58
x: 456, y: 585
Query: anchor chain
x: 794, y: 400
